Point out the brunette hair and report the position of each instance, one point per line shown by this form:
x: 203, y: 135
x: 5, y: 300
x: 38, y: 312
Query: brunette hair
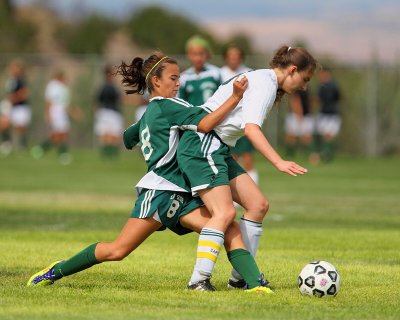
x: 286, y: 56
x: 234, y: 46
x: 137, y: 75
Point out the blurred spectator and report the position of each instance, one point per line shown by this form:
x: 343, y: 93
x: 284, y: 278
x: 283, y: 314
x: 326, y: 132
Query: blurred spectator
x: 5, y: 127
x: 20, y: 113
x: 243, y: 150
x: 108, y: 117
x: 299, y: 124
x: 57, y: 112
x: 328, y: 120
x: 201, y: 80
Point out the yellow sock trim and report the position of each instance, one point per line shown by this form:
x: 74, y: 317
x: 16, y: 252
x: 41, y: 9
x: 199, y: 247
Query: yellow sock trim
x: 208, y: 243
x: 207, y: 255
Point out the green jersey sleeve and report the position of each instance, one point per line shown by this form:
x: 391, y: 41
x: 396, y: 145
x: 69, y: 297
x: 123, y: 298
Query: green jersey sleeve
x: 131, y: 135
x: 182, y: 114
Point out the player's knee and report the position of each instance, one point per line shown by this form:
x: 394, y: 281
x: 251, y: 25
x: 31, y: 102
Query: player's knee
x: 230, y: 215
x: 225, y: 217
x: 258, y: 209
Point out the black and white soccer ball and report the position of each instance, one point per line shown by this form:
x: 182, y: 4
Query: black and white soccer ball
x: 320, y: 279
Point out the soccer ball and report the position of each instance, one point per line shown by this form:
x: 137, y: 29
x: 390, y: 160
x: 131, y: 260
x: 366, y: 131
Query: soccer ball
x: 320, y: 279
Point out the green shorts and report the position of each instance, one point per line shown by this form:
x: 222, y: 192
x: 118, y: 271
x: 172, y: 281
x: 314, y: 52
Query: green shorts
x: 243, y: 145
x: 205, y: 161
x: 166, y: 207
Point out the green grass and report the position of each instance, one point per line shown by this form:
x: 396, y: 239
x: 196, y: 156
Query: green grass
x: 346, y: 212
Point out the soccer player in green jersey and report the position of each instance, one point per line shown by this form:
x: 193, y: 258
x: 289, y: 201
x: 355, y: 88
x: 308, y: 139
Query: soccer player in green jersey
x: 164, y: 197
x: 202, y: 79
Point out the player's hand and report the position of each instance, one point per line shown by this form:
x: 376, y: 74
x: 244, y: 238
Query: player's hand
x: 240, y: 85
x: 290, y: 167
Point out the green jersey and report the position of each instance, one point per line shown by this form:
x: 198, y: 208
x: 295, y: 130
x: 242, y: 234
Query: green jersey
x: 158, y: 133
x: 196, y: 88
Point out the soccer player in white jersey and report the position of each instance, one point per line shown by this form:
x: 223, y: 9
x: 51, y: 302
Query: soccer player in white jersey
x: 164, y: 197
x: 57, y: 112
x: 205, y: 158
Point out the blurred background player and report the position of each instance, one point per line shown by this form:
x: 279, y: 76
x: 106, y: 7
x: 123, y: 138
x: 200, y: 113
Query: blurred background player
x: 201, y: 80
x: 299, y: 124
x: 5, y: 127
x: 20, y: 112
x: 108, y: 117
x: 328, y: 120
x: 58, y: 109
x: 243, y: 150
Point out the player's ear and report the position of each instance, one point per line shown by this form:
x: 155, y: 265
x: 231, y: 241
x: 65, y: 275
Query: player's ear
x: 292, y: 69
x: 156, y: 81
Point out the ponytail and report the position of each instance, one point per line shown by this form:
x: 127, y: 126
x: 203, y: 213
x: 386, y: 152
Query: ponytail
x: 137, y: 76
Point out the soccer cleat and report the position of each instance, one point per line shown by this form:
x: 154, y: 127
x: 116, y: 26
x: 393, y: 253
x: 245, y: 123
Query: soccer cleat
x: 263, y: 287
x: 203, y: 285
x: 239, y: 284
x: 260, y: 289
x: 44, y: 277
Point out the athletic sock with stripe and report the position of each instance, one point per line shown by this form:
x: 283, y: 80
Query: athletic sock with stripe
x: 208, y: 248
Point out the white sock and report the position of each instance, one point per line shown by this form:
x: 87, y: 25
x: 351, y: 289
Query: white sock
x: 254, y: 175
x: 208, y: 248
x: 251, y: 233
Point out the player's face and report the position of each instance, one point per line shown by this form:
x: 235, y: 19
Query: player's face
x: 296, y: 80
x: 197, y: 56
x: 233, y: 58
x: 168, y: 84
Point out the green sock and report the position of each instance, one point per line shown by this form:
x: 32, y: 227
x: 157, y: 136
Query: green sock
x: 114, y: 151
x: 46, y: 145
x: 81, y: 261
x: 62, y: 148
x: 328, y: 150
x: 6, y: 135
x: 244, y: 263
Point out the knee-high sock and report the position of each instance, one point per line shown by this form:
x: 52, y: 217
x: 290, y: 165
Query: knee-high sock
x: 208, y: 248
x: 251, y: 233
x: 243, y: 262
x: 81, y: 261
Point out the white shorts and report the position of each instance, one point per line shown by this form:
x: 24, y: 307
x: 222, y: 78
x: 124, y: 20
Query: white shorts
x: 328, y: 124
x: 59, y: 120
x: 108, y: 121
x: 20, y: 115
x: 299, y: 127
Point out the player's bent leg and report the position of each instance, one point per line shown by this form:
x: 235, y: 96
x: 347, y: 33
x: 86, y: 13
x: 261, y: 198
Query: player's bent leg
x: 218, y: 201
x: 246, y: 192
x: 196, y: 219
x: 131, y: 236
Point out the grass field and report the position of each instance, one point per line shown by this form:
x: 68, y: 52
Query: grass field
x: 346, y: 212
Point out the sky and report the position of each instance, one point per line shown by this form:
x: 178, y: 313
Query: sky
x: 349, y: 30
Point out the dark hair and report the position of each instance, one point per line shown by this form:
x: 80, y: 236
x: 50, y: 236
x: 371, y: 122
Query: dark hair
x: 233, y: 46
x: 287, y: 56
x: 138, y: 74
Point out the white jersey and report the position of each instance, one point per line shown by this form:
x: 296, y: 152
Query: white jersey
x: 254, y: 107
x: 57, y: 94
x: 227, y: 73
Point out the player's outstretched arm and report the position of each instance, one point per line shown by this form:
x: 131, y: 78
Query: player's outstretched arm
x: 254, y: 134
